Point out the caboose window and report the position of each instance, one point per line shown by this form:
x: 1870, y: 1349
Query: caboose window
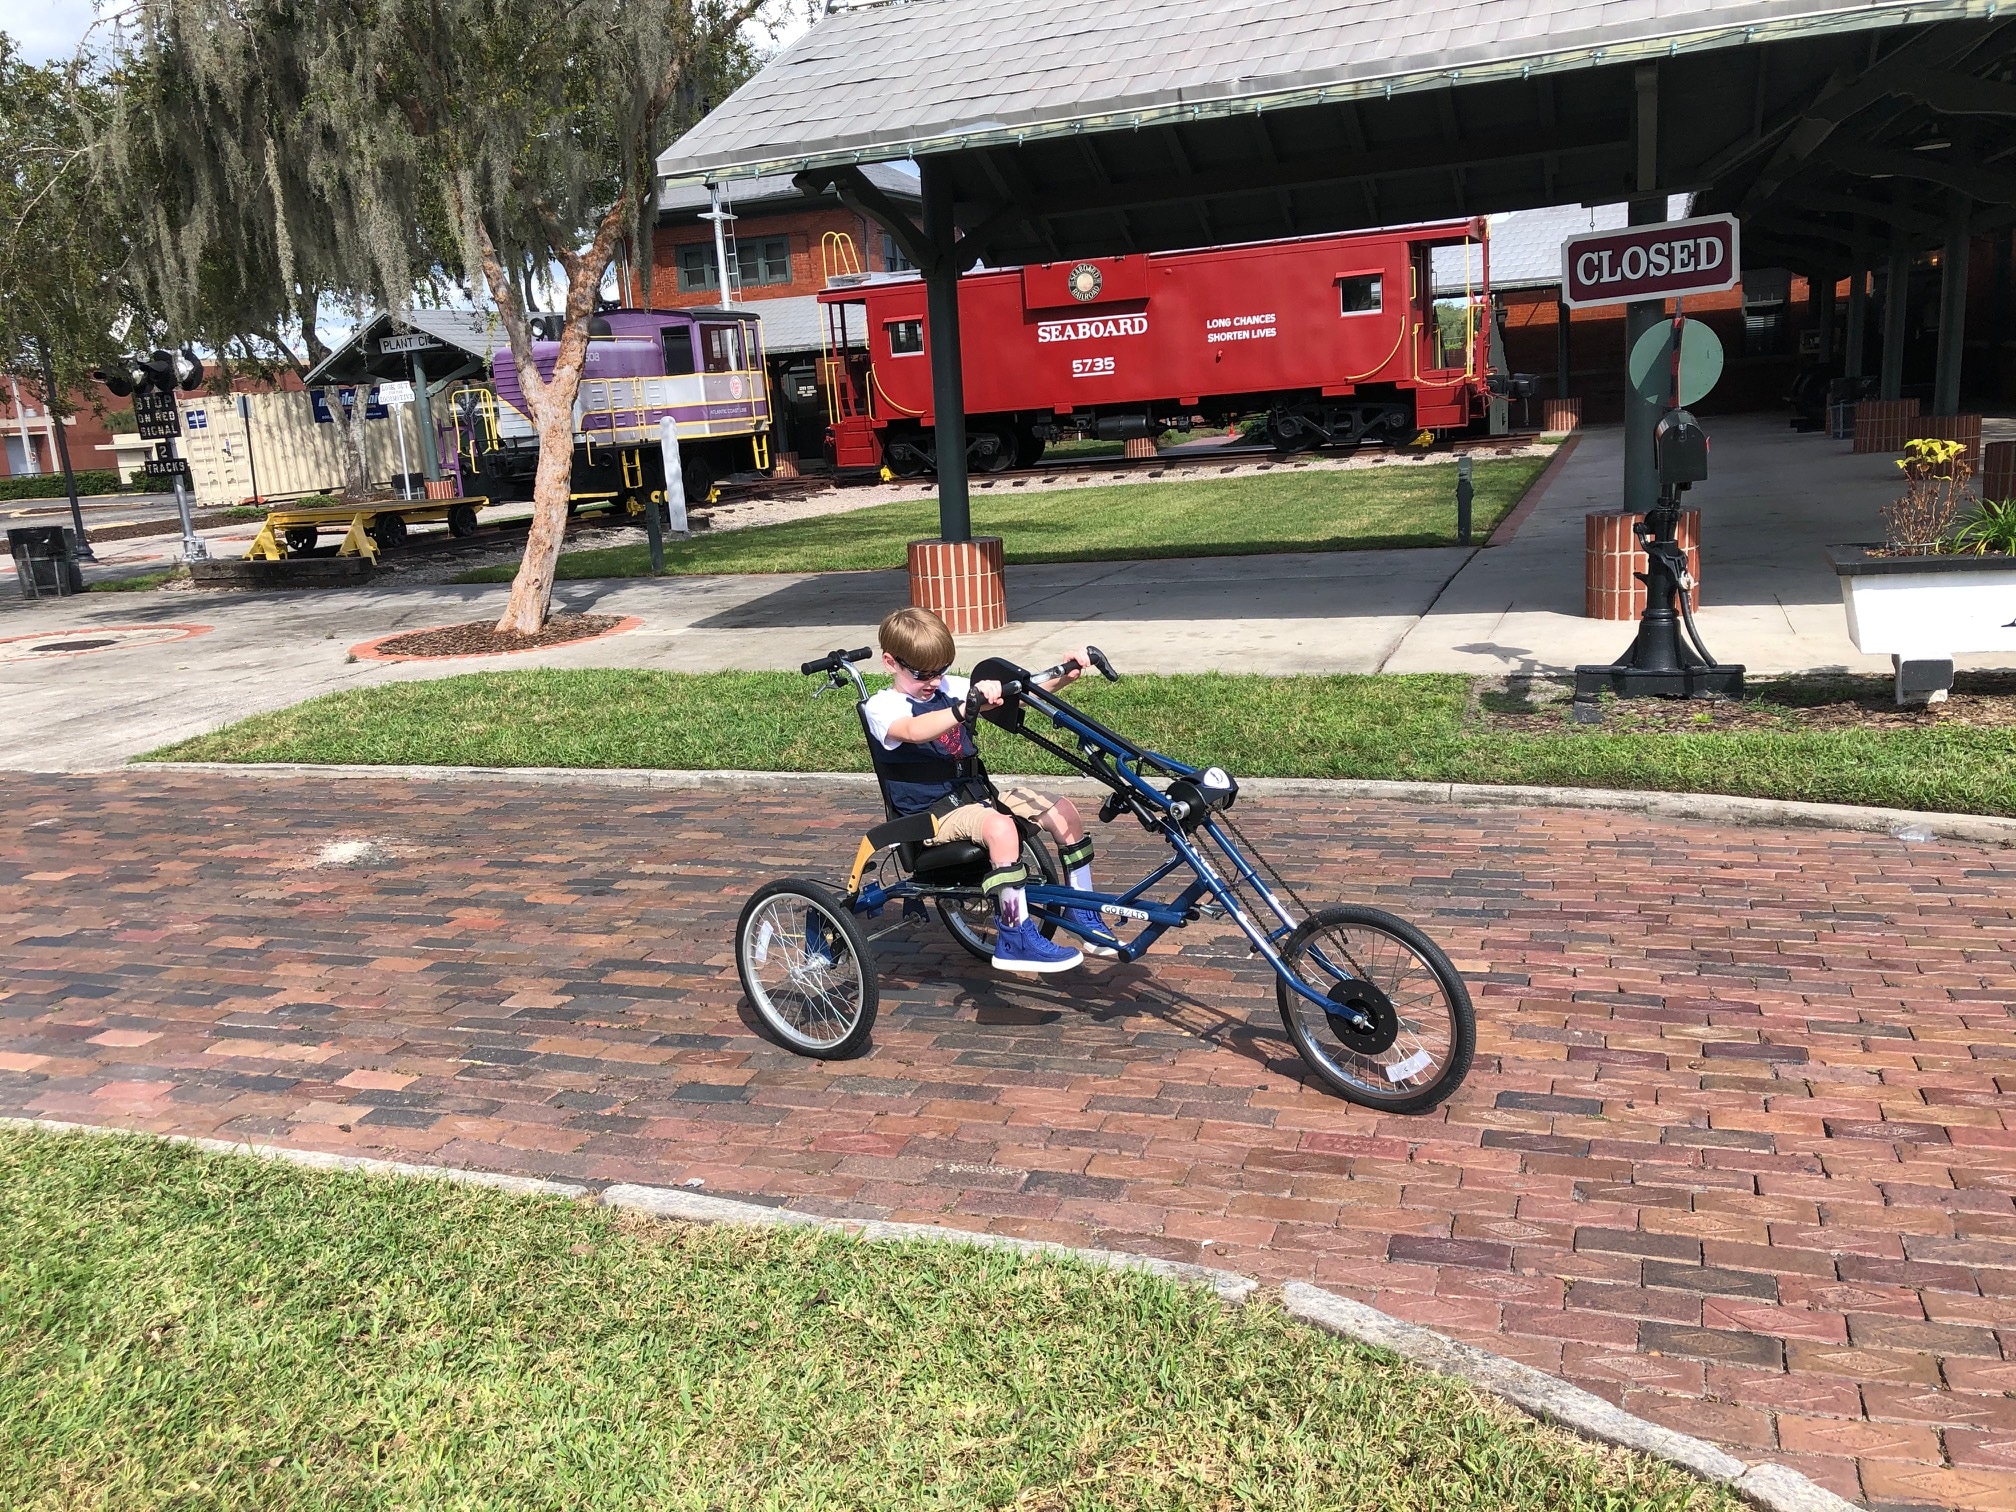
x: 1359, y: 294
x: 906, y: 337
x: 678, y: 344
x: 722, y: 347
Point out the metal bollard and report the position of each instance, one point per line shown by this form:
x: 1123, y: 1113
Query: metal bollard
x: 1465, y: 492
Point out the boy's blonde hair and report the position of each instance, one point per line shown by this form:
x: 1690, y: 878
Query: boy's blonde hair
x: 917, y: 638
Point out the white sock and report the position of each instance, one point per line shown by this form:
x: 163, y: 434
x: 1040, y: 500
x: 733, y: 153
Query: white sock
x: 1010, y: 904
x: 1081, y: 878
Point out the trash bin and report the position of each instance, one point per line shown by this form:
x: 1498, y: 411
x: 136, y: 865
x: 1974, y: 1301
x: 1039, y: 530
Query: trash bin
x: 45, y: 561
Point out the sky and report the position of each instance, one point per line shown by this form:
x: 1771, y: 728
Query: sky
x: 46, y: 29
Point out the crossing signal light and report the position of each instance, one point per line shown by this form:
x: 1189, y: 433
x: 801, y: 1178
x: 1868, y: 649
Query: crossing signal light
x: 160, y: 372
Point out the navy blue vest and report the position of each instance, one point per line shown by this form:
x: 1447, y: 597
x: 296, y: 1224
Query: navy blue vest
x: 917, y: 776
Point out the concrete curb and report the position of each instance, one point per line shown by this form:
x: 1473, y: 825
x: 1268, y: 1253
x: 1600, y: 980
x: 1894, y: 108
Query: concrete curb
x: 322, y: 1160
x: 1770, y: 1486
x: 697, y: 1207
x: 1720, y: 808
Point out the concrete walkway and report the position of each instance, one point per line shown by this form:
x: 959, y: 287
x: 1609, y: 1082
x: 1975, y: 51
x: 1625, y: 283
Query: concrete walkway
x: 1775, y: 500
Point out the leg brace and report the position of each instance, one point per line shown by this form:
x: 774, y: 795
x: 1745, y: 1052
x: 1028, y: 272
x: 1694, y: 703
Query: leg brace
x: 1014, y: 874
x: 1075, y: 856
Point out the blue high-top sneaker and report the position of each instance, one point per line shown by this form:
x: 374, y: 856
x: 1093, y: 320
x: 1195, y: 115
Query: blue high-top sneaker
x: 1095, y: 938
x: 1021, y: 947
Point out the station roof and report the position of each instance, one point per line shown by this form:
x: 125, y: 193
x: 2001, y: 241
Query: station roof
x: 1069, y: 130
x: 775, y: 192
x: 469, y: 336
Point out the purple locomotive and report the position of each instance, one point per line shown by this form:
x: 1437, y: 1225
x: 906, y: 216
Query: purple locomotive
x: 702, y: 367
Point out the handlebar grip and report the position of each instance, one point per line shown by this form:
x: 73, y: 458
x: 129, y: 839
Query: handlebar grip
x: 833, y: 659
x: 1105, y: 667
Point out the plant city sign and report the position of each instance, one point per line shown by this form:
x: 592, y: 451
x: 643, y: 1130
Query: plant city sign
x: 1675, y: 258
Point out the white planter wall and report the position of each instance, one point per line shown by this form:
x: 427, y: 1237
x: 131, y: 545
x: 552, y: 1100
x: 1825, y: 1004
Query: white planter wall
x: 1929, y: 615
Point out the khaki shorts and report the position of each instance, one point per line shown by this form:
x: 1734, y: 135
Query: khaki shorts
x: 964, y: 823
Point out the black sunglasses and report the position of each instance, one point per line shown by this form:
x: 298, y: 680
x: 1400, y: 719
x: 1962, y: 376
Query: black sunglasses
x: 921, y: 676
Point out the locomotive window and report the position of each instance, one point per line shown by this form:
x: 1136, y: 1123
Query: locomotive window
x: 678, y: 344
x: 1359, y: 294
x: 721, y: 347
x: 906, y: 337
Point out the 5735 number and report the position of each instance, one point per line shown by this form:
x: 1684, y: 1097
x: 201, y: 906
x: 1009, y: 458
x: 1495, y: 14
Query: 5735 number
x: 1091, y: 367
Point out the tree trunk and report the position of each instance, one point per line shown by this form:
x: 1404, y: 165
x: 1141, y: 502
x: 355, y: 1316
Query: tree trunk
x: 532, y: 588
x: 356, y: 469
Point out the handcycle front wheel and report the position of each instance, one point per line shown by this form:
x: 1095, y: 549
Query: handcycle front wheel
x: 972, y: 921
x: 805, y: 965
x: 1416, y: 1048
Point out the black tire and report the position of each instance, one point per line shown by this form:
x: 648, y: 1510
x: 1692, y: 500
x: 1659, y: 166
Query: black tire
x: 1292, y: 437
x: 699, y: 475
x: 461, y: 520
x: 300, y: 539
x: 1003, y: 457
x: 389, y: 531
x: 970, y: 921
x: 1401, y: 979
x: 1028, y: 448
x: 806, y: 968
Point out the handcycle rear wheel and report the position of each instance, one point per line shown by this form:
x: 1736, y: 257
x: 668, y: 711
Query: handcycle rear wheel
x: 971, y: 920
x: 1423, y: 1030
x: 806, y: 968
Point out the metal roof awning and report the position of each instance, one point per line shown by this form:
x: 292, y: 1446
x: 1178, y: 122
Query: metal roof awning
x: 1142, y: 125
x: 460, y: 338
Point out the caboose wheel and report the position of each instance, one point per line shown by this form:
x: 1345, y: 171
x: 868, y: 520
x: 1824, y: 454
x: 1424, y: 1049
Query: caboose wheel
x: 971, y: 921
x: 461, y: 520
x: 1402, y: 1031
x: 805, y: 965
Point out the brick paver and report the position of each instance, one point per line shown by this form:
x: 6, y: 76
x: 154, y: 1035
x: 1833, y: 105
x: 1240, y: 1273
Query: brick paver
x: 1738, y: 1151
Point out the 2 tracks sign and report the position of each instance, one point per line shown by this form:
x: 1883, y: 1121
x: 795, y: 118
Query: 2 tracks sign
x: 1666, y: 261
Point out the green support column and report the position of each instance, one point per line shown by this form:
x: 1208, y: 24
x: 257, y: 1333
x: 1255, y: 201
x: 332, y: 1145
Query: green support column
x: 1643, y: 402
x: 1858, y: 317
x: 1952, y: 310
x: 948, y: 383
x: 1820, y: 302
x: 423, y: 414
x: 1896, y: 295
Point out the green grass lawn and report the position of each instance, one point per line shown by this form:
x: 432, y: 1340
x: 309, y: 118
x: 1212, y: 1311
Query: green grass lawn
x: 1406, y: 504
x: 184, y: 1330
x: 1422, y: 728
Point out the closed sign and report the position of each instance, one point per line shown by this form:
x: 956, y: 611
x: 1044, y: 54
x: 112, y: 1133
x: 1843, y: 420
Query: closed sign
x: 1666, y: 261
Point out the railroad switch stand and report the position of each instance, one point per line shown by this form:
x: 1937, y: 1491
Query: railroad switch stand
x: 1659, y: 663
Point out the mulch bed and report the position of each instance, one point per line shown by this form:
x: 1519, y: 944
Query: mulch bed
x: 1535, y: 706
x: 481, y: 637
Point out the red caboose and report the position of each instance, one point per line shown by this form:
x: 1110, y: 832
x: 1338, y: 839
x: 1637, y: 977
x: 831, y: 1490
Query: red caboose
x: 1338, y: 339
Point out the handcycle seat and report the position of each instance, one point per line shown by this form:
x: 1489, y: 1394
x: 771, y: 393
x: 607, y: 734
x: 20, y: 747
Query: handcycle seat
x: 938, y: 860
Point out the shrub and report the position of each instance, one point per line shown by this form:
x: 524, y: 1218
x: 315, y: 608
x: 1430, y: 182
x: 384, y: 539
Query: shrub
x: 50, y: 485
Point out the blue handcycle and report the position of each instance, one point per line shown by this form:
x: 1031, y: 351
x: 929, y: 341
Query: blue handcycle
x: 1373, y: 1006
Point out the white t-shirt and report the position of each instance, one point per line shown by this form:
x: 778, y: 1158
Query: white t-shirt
x: 886, y: 707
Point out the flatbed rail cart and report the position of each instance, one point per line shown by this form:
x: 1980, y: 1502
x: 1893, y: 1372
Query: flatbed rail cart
x: 1372, y: 1005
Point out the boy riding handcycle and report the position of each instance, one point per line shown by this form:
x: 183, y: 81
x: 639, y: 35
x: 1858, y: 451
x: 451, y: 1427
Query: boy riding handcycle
x: 1371, y: 1004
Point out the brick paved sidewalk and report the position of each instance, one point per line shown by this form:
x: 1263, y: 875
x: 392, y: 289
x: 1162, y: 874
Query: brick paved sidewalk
x: 1738, y: 1151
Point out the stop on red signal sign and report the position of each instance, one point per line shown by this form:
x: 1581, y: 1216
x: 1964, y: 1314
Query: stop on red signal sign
x: 1666, y: 261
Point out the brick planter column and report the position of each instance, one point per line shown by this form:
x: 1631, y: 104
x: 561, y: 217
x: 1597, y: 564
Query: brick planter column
x: 1559, y: 416
x: 1966, y: 429
x: 1884, y: 425
x: 1138, y: 448
x: 960, y: 582
x: 1998, y: 470
x: 1612, y: 556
